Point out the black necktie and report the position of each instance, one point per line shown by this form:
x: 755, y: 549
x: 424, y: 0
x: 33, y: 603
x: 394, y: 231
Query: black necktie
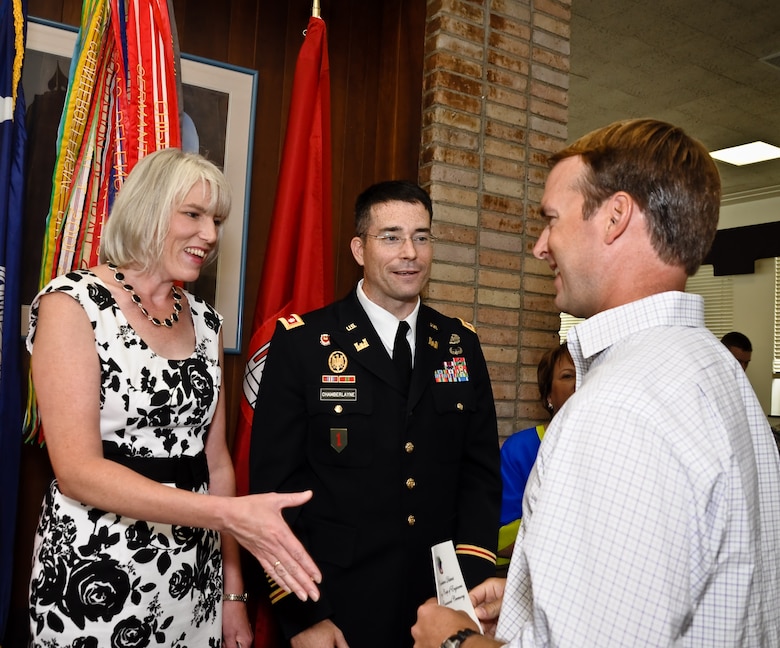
x: 402, y: 354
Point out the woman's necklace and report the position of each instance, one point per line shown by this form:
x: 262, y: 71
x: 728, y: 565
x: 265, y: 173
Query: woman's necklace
x: 168, y: 321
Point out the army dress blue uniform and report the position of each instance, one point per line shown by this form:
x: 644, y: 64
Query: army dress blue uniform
x: 392, y: 475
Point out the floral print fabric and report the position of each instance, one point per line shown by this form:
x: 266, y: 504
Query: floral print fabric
x: 101, y: 579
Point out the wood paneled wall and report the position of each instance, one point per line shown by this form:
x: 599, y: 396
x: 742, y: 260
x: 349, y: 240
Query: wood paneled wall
x: 376, y: 60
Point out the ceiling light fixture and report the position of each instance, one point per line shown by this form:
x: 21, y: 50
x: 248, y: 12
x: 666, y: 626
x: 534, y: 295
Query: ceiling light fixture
x: 747, y: 153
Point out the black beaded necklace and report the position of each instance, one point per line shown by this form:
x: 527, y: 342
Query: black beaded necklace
x: 168, y: 321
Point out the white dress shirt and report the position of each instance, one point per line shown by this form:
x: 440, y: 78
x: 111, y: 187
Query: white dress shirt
x: 386, y: 324
x: 652, y: 515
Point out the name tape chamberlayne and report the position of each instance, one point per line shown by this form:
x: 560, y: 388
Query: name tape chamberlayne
x: 330, y: 394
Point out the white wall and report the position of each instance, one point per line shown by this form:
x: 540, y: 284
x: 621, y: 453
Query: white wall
x: 754, y: 294
x: 749, y: 212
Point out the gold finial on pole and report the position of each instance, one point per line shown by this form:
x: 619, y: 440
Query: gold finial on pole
x: 315, y: 8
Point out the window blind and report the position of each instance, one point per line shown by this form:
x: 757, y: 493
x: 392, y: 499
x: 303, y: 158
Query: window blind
x: 567, y: 321
x: 718, y: 299
x: 718, y: 305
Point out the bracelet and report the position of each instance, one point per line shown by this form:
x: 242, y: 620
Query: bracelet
x: 456, y: 640
x: 235, y: 597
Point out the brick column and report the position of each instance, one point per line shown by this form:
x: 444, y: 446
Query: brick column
x: 495, y: 104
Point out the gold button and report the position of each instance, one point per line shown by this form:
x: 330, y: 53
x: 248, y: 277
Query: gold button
x: 338, y: 409
x: 409, y: 447
x: 460, y: 406
x: 410, y: 483
x: 410, y: 520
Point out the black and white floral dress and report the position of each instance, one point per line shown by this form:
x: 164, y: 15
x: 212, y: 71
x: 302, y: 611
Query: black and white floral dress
x: 104, y: 580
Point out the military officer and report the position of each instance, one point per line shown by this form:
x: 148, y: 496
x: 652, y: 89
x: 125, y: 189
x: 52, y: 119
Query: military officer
x: 383, y: 407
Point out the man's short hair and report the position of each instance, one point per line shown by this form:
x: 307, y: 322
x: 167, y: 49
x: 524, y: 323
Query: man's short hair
x: 670, y: 175
x: 384, y: 192
x: 737, y: 340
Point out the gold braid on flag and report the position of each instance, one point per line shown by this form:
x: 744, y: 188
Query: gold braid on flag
x: 83, y: 197
x: 73, y: 140
x: 114, y: 114
x: 18, y: 46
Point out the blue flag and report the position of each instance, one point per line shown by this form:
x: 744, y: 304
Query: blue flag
x: 13, y: 17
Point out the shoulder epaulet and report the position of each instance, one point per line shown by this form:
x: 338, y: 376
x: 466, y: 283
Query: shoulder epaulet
x: 292, y: 321
x: 468, y: 325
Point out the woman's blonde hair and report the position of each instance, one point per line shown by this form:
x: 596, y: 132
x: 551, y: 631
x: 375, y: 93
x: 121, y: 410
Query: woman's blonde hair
x: 135, y: 231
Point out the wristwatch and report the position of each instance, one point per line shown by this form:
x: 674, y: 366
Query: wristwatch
x: 458, y: 638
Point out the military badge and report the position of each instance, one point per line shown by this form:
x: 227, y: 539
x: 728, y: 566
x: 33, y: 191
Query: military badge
x: 337, y: 362
x: 338, y: 438
x: 325, y: 339
x: 363, y: 344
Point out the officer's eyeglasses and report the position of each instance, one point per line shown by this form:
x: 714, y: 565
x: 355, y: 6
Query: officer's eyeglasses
x: 395, y: 241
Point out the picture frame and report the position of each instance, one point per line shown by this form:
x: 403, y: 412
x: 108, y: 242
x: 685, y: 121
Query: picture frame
x: 219, y: 106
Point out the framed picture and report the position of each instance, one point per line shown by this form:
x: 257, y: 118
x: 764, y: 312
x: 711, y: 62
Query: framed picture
x: 219, y: 103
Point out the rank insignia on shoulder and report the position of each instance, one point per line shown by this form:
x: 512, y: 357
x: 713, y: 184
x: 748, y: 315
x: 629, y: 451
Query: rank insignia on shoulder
x: 468, y: 325
x: 291, y: 321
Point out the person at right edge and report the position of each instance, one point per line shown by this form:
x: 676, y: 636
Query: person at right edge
x: 652, y: 514
x: 398, y: 459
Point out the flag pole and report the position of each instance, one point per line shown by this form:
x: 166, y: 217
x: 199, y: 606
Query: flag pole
x: 315, y: 9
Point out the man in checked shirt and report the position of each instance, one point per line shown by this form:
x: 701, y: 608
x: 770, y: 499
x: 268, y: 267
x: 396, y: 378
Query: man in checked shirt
x: 652, y: 515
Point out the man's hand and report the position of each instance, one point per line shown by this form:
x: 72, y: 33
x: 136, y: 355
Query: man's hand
x: 324, y: 634
x: 435, y: 623
x: 486, y: 599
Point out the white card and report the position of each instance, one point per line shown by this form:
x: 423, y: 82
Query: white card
x: 450, y: 587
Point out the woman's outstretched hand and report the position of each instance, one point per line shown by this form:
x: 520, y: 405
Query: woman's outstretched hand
x: 256, y: 522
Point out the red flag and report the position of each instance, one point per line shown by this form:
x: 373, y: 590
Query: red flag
x: 298, y: 269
